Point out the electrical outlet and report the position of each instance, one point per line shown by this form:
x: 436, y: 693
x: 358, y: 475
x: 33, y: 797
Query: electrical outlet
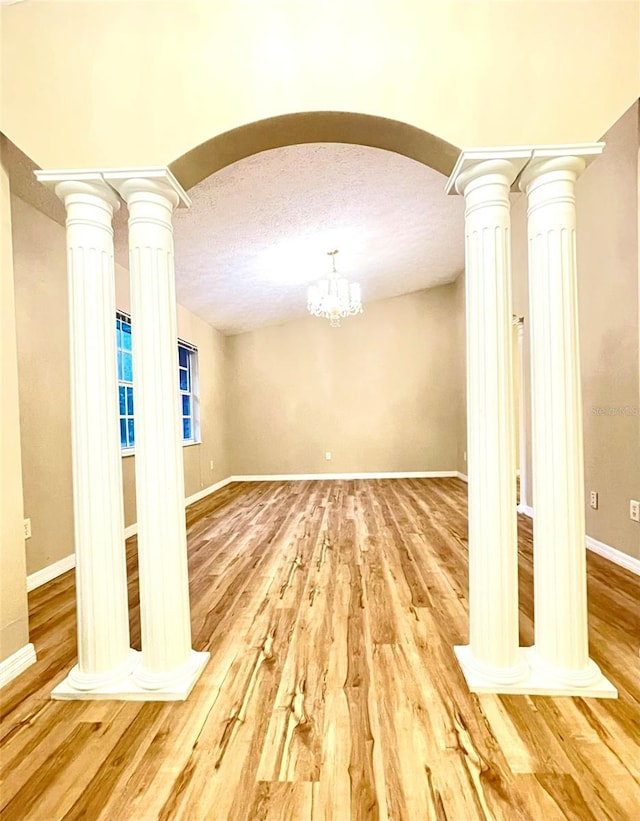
x: 27, y: 528
x: 211, y: 465
x: 593, y: 499
x: 328, y: 455
x: 634, y: 510
x: 465, y: 456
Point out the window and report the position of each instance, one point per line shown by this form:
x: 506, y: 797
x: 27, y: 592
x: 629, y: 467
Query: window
x: 187, y: 385
x: 125, y: 380
x: 187, y: 376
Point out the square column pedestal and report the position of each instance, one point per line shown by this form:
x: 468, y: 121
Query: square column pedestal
x: 127, y: 689
x: 536, y: 683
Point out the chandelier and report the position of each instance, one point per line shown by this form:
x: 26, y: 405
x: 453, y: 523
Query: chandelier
x: 334, y: 297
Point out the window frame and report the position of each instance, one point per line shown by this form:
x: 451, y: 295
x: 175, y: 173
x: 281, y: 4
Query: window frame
x: 126, y: 385
x: 192, y: 390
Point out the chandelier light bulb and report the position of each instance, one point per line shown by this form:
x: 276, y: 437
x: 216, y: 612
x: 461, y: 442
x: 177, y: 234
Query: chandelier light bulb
x: 334, y: 297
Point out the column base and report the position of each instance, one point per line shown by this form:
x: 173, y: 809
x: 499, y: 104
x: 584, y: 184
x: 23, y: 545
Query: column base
x: 95, y: 681
x: 170, y: 679
x: 492, y: 676
x: 536, y: 683
x: 126, y: 689
x: 574, y: 679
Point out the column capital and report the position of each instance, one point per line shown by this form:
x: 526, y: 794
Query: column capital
x: 113, y: 183
x: 563, y: 159
x: 473, y: 163
x: 526, y: 161
x: 152, y: 179
x: 68, y: 182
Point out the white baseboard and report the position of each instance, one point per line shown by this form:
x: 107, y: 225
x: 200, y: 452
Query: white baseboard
x: 303, y: 477
x: 50, y: 572
x: 17, y: 663
x: 56, y: 569
x: 614, y: 555
x: 207, y: 491
x: 605, y: 550
x: 195, y: 497
x: 527, y: 510
x: 464, y: 478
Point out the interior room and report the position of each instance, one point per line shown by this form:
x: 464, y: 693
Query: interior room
x: 320, y: 410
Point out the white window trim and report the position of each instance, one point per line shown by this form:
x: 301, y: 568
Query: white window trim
x: 195, y: 391
x: 121, y: 317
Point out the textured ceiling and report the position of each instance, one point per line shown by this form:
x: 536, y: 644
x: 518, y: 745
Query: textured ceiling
x: 259, y: 230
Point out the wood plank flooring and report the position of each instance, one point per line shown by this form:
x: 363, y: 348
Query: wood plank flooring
x: 330, y: 609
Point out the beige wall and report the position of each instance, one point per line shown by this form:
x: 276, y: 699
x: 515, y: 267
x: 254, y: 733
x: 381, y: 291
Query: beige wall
x: 461, y: 374
x: 198, y: 471
x: 381, y: 392
x: 14, y: 628
x: 163, y: 77
x: 607, y: 244
x: 43, y: 357
x: 43, y: 368
x: 608, y: 295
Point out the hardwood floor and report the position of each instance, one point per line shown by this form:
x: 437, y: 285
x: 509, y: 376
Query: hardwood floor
x: 330, y: 609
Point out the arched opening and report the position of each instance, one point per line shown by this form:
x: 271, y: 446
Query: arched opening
x: 313, y: 127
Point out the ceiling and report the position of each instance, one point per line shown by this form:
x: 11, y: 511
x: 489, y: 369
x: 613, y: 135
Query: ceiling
x: 258, y: 231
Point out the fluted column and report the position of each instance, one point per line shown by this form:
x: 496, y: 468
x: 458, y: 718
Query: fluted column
x: 492, y: 659
x: 561, y: 651
x: 168, y: 661
x: 104, y: 656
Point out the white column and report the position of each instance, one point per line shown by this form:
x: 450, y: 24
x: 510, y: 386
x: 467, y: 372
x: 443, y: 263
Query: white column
x: 168, y: 662
x: 524, y: 505
x: 561, y: 652
x: 104, y: 656
x: 493, y: 659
